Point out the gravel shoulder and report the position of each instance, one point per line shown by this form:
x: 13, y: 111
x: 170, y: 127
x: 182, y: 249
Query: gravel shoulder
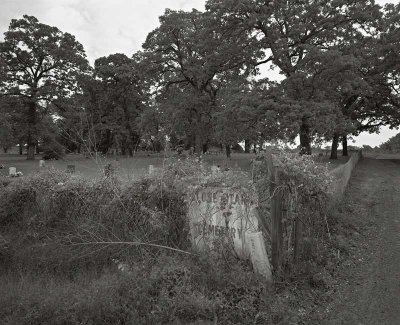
x: 368, y: 286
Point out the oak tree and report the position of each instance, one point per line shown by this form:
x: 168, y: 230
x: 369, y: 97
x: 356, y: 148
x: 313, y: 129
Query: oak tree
x: 196, y: 52
x: 42, y: 67
x: 288, y: 31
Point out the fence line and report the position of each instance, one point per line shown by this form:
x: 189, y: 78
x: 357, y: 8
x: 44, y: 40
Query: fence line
x: 342, y: 175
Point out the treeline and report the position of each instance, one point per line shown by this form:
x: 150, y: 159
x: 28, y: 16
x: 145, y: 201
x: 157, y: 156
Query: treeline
x: 195, y: 80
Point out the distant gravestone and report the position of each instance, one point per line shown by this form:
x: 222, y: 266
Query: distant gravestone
x: 109, y: 170
x: 151, y: 169
x: 71, y: 169
x: 12, y: 171
x: 215, y: 169
x: 41, y: 163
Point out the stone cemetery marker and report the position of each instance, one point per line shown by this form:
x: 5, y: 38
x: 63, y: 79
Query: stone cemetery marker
x: 151, y: 169
x: 12, y: 171
x: 71, y: 169
x: 258, y: 255
x: 108, y: 170
x: 41, y: 163
x: 215, y: 169
x: 223, y: 214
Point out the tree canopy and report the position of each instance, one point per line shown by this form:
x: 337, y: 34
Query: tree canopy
x: 42, y: 66
x: 196, y: 80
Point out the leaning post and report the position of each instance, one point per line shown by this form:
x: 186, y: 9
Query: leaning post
x: 298, y: 239
x: 276, y: 214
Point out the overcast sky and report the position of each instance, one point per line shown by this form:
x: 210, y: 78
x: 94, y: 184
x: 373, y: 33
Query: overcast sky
x: 116, y: 26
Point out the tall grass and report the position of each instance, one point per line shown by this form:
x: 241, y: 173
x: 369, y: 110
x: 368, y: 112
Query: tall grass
x: 63, y: 237
x: 106, y: 251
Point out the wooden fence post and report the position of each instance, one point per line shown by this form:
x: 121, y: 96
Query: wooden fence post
x: 276, y: 215
x: 298, y: 239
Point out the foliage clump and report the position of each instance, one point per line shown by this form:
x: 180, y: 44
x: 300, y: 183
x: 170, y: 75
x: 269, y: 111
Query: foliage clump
x: 82, y: 229
x: 126, y: 245
x: 305, y: 188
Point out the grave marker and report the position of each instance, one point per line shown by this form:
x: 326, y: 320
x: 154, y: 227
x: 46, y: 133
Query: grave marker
x: 109, y: 170
x: 41, y: 163
x: 223, y: 214
x: 12, y: 171
x: 215, y: 169
x: 71, y: 169
x: 151, y: 169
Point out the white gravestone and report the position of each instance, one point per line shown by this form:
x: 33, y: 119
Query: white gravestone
x: 223, y: 214
x: 229, y: 215
x: 12, y: 171
x: 151, y: 169
x: 215, y: 169
x: 41, y: 163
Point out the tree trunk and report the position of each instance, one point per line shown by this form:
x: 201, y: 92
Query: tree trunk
x: 344, y: 145
x: 247, y: 145
x: 5, y: 149
x: 20, y: 149
x: 130, y: 152
x: 31, y: 149
x: 37, y: 147
x: 228, y: 151
x: 335, y: 143
x: 305, y: 138
x: 31, y: 130
x: 198, y: 146
x: 205, y: 148
x: 131, y: 139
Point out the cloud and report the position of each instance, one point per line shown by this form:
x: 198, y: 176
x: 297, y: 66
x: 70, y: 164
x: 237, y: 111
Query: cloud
x: 103, y: 27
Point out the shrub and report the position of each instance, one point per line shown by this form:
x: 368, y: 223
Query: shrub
x: 305, y: 188
x: 169, y: 289
x: 16, y: 205
x: 74, y: 230
x: 82, y: 222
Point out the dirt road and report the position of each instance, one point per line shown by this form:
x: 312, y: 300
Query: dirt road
x: 368, y: 290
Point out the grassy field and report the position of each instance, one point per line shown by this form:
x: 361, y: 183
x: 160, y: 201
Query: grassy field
x: 128, y: 167
x: 132, y: 167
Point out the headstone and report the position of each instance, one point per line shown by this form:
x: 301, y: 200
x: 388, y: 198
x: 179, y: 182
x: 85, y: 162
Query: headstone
x: 151, y: 169
x: 71, y: 169
x: 41, y: 163
x: 258, y: 255
x: 108, y: 170
x: 222, y: 214
x: 215, y: 169
x: 12, y: 171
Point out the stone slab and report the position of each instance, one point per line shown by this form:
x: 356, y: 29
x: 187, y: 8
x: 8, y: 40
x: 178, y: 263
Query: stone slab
x: 258, y: 255
x: 222, y: 214
x: 12, y: 171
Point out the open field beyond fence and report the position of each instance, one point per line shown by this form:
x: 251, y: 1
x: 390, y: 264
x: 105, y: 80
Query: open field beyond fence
x: 131, y: 168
